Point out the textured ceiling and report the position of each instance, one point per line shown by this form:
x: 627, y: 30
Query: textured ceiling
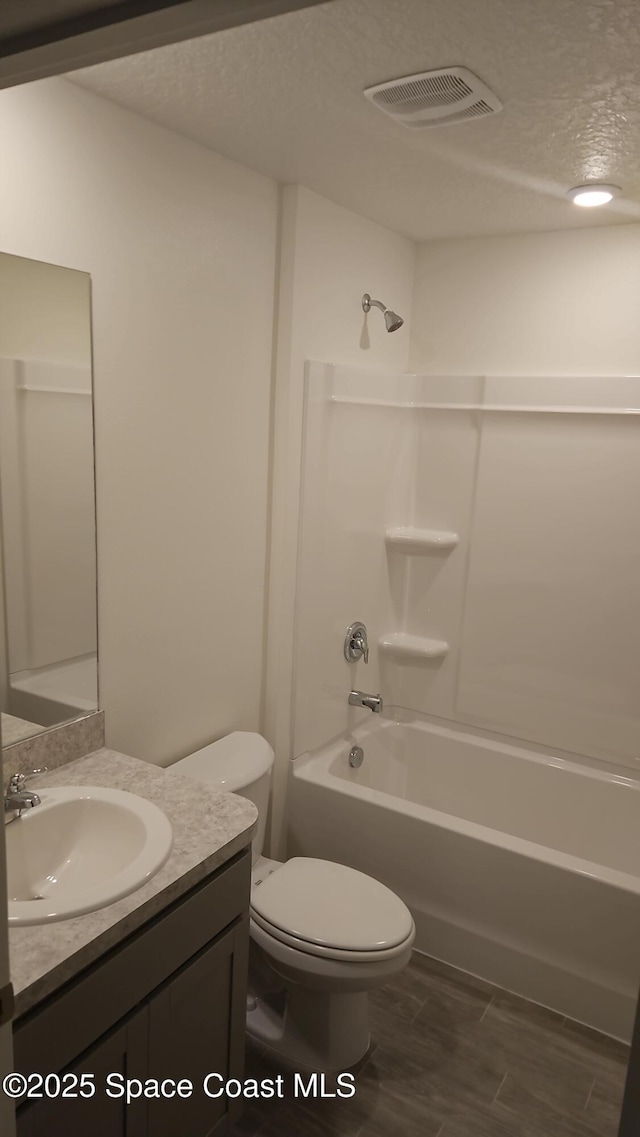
x: 285, y: 97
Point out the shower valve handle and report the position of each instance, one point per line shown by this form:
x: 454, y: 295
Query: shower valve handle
x: 362, y: 646
x: 356, y: 644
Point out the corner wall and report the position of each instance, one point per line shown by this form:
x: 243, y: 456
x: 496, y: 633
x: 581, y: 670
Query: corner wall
x: 330, y: 257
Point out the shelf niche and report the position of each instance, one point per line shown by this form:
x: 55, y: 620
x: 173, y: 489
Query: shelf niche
x: 404, y: 646
x: 407, y: 539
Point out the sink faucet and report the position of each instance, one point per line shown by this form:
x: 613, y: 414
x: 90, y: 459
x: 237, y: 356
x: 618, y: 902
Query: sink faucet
x: 371, y: 702
x: 17, y: 798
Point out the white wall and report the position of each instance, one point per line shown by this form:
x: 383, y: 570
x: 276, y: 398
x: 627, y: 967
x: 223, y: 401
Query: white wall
x: 533, y: 304
x: 181, y: 247
x: 329, y: 258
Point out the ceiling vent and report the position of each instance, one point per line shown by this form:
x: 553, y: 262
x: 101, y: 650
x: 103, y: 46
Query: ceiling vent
x: 435, y: 98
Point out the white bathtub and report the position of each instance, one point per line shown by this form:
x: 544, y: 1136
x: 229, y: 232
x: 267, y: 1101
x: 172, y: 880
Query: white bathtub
x: 60, y: 691
x: 519, y: 867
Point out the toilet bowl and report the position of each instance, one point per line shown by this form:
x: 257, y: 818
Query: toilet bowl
x: 322, y: 934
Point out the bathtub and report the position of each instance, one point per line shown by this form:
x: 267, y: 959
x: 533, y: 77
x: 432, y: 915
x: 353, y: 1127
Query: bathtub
x: 518, y: 866
x: 60, y: 691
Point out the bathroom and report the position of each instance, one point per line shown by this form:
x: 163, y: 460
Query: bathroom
x: 273, y: 466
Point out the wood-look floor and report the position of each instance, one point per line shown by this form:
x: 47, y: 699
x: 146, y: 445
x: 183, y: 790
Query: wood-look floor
x: 452, y: 1056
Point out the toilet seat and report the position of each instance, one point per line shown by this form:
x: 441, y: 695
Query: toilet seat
x: 327, y: 909
x: 341, y: 954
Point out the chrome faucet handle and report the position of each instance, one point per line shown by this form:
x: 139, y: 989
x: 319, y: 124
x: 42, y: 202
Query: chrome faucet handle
x: 362, y: 646
x: 356, y: 644
x: 17, y: 781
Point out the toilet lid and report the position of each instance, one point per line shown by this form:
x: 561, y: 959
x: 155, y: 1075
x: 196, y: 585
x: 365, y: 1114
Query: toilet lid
x: 331, y: 905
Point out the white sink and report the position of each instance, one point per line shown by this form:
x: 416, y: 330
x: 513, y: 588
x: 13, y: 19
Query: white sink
x: 82, y: 848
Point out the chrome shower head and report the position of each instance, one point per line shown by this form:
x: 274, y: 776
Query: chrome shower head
x: 392, y: 320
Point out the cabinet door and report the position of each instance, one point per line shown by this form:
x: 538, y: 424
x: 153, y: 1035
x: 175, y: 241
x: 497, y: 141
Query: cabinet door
x: 197, y: 1025
x: 124, y: 1051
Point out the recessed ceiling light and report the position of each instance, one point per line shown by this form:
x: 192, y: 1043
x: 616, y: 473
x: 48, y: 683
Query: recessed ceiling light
x: 593, y: 194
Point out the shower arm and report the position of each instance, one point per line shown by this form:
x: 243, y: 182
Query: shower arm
x: 368, y: 303
x: 373, y: 304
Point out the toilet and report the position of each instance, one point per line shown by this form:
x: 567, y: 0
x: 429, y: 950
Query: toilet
x: 322, y: 934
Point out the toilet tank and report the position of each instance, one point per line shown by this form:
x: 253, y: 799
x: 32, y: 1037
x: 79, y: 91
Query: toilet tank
x: 239, y: 763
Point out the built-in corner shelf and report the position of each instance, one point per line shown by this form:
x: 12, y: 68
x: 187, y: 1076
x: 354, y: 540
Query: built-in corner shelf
x: 404, y: 646
x: 406, y: 539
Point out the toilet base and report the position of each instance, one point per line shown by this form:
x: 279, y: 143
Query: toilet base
x: 309, y: 1010
x: 313, y: 1030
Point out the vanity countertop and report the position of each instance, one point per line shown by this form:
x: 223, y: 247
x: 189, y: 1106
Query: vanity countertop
x: 209, y: 828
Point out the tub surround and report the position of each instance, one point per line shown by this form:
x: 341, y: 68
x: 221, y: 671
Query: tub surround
x: 465, y: 576
x: 209, y: 829
x: 53, y: 747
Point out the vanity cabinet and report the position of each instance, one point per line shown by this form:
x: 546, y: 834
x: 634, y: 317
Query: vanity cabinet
x: 122, y: 1051
x: 168, y: 1003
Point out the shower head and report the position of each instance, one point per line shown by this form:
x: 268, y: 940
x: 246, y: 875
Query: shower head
x: 392, y: 320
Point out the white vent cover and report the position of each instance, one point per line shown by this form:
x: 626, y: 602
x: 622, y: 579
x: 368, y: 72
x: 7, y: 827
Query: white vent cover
x: 435, y: 98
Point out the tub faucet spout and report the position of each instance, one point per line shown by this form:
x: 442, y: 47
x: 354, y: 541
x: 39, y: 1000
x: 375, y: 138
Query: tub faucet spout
x: 371, y: 702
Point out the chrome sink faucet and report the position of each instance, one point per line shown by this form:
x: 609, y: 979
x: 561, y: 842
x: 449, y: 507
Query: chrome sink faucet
x: 371, y: 702
x: 17, y: 798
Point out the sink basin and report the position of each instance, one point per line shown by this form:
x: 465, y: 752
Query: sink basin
x: 82, y: 848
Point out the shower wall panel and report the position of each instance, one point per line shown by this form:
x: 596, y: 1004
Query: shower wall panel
x: 550, y: 647
x: 358, y: 477
x: 535, y: 602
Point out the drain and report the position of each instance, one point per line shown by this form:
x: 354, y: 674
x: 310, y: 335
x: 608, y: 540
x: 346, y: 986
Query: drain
x: 356, y: 757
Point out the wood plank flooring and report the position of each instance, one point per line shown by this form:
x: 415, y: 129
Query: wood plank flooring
x: 453, y: 1056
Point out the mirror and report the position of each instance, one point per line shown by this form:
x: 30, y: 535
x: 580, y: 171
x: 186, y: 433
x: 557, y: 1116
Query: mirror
x: 48, y: 634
